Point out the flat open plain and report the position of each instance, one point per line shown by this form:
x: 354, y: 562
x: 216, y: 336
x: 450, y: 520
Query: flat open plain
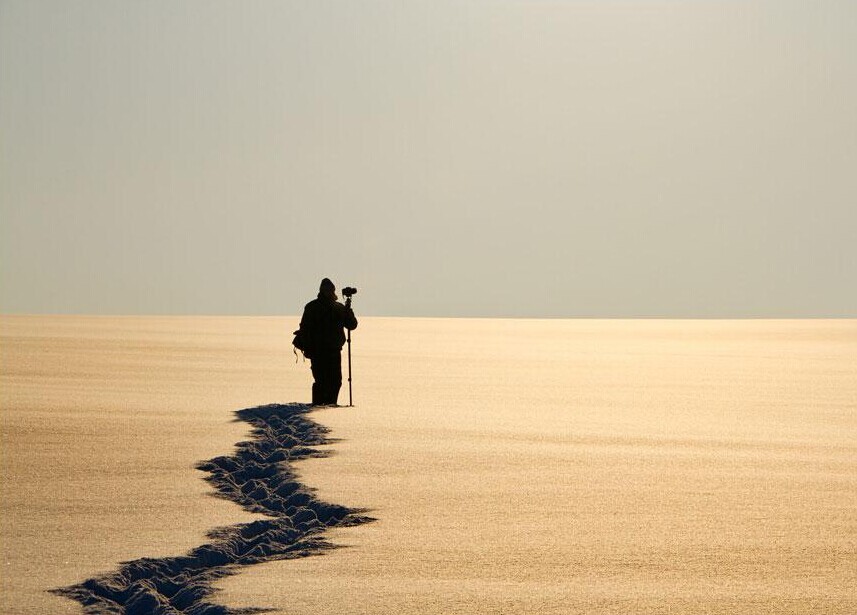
x: 539, y: 466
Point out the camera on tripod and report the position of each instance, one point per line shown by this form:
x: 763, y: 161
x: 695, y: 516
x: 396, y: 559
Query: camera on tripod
x: 348, y: 291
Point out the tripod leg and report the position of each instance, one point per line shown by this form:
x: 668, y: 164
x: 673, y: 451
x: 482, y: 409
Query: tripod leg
x: 350, y: 400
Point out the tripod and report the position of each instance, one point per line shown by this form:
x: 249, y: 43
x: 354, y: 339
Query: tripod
x: 350, y: 399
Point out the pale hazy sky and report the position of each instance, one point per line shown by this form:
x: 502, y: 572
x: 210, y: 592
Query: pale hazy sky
x: 567, y: 158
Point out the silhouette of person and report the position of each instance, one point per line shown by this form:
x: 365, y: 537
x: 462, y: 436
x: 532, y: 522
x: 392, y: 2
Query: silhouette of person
x: 322, y: 327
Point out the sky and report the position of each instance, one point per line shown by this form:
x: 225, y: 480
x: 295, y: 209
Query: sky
x: 682, y: 158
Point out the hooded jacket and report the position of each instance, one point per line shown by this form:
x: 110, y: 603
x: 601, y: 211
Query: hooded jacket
x: 322, y: 325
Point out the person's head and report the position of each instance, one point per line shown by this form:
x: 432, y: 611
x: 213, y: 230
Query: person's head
x: 327, y: 289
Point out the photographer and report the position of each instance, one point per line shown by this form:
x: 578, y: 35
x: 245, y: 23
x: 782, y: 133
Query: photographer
x: 322, y: 327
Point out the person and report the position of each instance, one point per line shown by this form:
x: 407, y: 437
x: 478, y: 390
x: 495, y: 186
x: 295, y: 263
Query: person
x: 322, y: 325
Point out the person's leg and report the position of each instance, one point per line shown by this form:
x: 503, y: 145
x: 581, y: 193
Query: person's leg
x: 319, y: 392
x: 327, y: 372
x: 335, y: 382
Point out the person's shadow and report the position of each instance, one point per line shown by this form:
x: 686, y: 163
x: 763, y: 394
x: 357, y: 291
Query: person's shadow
x: 258, y: 476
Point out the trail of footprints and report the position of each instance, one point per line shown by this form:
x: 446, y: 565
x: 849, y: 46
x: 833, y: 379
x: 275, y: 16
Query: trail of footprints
x: 258, y: 476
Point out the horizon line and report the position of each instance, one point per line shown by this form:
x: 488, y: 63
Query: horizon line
x: 424, y: 316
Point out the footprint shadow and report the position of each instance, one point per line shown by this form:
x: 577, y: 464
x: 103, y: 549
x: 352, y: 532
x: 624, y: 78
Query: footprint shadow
x: 260, y: 477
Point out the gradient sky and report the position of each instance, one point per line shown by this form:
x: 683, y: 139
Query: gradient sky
x: 570, y: 158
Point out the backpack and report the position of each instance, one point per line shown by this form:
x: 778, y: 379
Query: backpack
x: 300, y: 342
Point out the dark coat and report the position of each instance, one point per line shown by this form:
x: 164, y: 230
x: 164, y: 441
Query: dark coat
x: 322, y: 325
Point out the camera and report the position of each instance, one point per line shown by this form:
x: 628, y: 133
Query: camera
x: 348, y: 291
